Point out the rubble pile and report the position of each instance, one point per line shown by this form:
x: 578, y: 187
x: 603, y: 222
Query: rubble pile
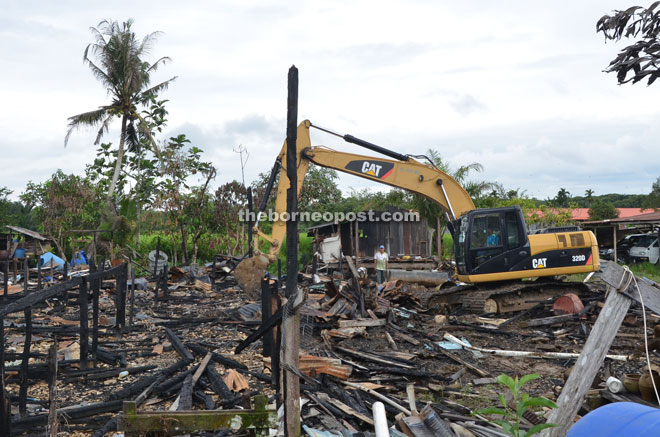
x: 197, y: 342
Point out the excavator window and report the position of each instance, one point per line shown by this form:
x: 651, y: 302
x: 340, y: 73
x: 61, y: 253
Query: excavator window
x: 486, y: 231
x: 514, y: 238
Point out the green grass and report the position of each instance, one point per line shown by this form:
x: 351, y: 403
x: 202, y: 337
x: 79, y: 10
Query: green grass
x: 651, y: 271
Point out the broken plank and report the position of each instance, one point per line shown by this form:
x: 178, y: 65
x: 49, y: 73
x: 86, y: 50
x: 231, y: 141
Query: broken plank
x: 218, y: 358
x: 378, y: 395
x: 348, y: 410
x: 372, y: 357
x: 589, y: 362
x: 612, y: 274
x: 459, y: 360
x: 179, y: 346
x: 188, y: 387
x: 227, y: 398
x: 361, y: 322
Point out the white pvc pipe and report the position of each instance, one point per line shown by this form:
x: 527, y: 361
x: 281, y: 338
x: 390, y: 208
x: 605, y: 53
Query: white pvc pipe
x: 526, y: 354
x: 380, y: 420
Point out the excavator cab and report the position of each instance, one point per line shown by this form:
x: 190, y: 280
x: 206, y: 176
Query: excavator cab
x: 493, y: 245
x: 490, y: 240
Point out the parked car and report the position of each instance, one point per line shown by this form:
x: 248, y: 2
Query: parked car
x: 646, y: 250
x: 622, y: 248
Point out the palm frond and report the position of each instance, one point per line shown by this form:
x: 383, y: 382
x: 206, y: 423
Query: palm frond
x: 132, y: 138
x: 162, y: 61
x: 154, y: 90
x: 103, y: 130
x: 101, y: 75
x: 148, y: 41
x: 86, y: 119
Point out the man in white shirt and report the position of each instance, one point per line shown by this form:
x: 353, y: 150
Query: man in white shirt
x: 380, y: 263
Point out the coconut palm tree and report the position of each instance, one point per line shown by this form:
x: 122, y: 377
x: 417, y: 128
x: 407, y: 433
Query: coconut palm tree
x: 116, y: 58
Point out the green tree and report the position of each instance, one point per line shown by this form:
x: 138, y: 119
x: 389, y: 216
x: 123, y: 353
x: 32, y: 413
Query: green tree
x: 639, y: 60
x: 589, y: 194
x: 177, y: 198
x: 116, y: 58
x: 63, y: 203
x: 652, y: 201
x: 319, y: 192
x: 6, y: 218
x: 603, y: 211
x: 562, y: 199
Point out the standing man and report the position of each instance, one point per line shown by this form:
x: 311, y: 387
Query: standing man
x: 380, y: 262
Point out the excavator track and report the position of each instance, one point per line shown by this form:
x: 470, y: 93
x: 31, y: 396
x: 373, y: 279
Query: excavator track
x: 517, y: 296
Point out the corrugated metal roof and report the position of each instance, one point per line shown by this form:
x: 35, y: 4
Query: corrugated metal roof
x: 28, y: 232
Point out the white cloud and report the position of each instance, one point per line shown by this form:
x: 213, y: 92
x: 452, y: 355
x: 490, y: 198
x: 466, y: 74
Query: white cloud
x: 517, y: 86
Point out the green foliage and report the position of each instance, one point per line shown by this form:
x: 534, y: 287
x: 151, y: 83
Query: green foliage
x: 618, y: 200
x: 562, y: 198
x: 63, y: 203
x: 648, y: 270
x: 447, y: 246
x: 652, y: 201
x: 522, y: 402
x: 639, y: 58
x: 16, y: 213
x: 603, y: 211
x: 305, y: 248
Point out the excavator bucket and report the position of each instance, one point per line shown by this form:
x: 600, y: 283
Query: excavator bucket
x: 248, y: 275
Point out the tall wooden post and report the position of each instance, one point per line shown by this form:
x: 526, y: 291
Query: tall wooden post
x: 52, y: 389
x: 22, y: 393
x: 96, y: 284
x: 291, y: 318
x: 250, y: 211
x: 6, y: 276
x: 84, y: 324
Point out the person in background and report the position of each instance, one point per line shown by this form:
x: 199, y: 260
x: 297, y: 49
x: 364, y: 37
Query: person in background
x: 380, y: 262
x: 493, y: 239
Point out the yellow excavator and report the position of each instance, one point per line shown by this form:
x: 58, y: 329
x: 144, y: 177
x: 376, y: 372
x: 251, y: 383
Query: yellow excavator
x: 490, y: 244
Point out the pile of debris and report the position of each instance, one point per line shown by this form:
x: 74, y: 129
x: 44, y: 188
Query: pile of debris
x: 191, y: 345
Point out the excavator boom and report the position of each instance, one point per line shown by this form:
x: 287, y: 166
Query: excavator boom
x: 490, y: 244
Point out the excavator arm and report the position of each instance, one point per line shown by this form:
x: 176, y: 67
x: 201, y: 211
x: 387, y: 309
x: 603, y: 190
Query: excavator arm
x: 407, y: 173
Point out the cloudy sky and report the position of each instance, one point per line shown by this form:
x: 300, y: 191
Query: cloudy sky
x: 515, y: 85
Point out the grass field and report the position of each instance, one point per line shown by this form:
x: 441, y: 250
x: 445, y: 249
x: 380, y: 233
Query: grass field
x: 650, y: 271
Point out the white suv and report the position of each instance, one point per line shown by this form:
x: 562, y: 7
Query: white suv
x: 645, y: 250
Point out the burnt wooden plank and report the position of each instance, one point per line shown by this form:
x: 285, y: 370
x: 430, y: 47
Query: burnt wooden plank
x: 178, y: 345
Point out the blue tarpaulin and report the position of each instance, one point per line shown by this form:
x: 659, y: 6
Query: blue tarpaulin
x: 57, y: 261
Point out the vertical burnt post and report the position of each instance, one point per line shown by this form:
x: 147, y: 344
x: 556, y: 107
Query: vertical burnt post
x: 250, y: 211
x: 266, y: 312
x: 96, y: 285
x: 290, y: 317
x: 52, y: 388
x: 6, y: 276
x: 38, y: 273
x: 65, y: 270
x: 163, y: 281
x: 120, y: 295
x: 84, y: 327
x: 132, y: 304
x: 156, y: 260
x: 212, y: 275
x: 279, y: 273
x: 22, y: 391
